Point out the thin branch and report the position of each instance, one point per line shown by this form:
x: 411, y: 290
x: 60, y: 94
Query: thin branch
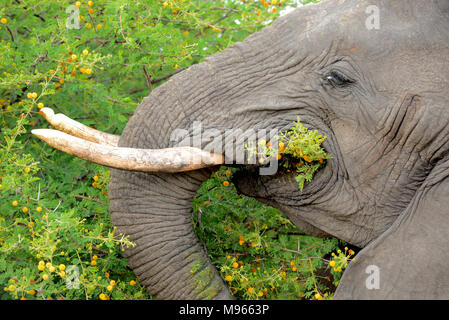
x: 87, y: 198
x: 225, y: 9
x: 10, y: 32
x: 99, y: 250
x: 39, y: 59
x: 292, y: 251
x: 159, y: 79
x: 57, y: 205
x: 135, y: 90
x: 39, y: 16
x: 147, y: 79
x: 113, y: 100
x: 121, y: 25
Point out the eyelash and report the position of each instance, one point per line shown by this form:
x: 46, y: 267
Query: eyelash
x: 337, y: 79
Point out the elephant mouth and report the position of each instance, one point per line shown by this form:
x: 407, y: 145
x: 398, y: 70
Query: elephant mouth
x: 283, y: 184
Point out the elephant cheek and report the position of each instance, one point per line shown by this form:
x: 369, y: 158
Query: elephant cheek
x: 155, y: 211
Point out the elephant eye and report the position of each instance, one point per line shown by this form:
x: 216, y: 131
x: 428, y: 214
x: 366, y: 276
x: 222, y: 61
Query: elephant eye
x: 337, y: 79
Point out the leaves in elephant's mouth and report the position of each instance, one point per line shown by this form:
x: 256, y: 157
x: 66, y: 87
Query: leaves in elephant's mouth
x: 297, y: 150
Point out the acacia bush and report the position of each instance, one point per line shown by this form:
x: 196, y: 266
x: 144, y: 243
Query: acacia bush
x: 95, y: 61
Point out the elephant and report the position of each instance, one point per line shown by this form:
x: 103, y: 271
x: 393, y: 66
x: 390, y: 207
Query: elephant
x: 373, y: 76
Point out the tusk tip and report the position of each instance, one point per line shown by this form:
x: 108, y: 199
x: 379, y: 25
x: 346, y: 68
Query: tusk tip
x: 37, y: 132
x: 47, y: 113
x: 40, y: 133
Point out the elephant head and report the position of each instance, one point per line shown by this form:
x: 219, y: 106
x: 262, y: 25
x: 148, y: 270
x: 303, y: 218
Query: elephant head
x: 380, y: 94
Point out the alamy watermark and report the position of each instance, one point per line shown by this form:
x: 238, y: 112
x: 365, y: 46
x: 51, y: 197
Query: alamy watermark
x: 72, y: 280
x: 372, y: 22
x: 372, y: 282
x: 73, y: 17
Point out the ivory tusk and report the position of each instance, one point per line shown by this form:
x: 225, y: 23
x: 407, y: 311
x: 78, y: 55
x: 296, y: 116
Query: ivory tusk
x: 74, y: 128
x: 179, y: 159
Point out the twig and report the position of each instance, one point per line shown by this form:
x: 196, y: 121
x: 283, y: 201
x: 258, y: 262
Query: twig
x: 121, y: 26
x: 93, y: 22
x: 226, y: 9
x: 159, y: 79
x: 292, y: 251
x: 99, y: 250
x: 135, y: 90
x: 39, y: 16
x: 147, y: 79
x: 113, y: 100
x: 57, y: 206
x: 39, y: 59
x: 10, y: 32
x: 87, y: 198
x: 38, y: 194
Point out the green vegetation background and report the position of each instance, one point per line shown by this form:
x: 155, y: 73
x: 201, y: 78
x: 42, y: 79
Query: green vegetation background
x: 56, y: 239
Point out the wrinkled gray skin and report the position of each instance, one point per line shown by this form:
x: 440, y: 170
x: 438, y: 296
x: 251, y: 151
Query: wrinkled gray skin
x: 386, y: 189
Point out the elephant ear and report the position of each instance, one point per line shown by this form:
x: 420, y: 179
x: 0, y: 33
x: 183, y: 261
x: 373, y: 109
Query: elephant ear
x: 410, y: 259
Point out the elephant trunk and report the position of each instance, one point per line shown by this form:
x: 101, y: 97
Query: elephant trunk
x: 155, y: 211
